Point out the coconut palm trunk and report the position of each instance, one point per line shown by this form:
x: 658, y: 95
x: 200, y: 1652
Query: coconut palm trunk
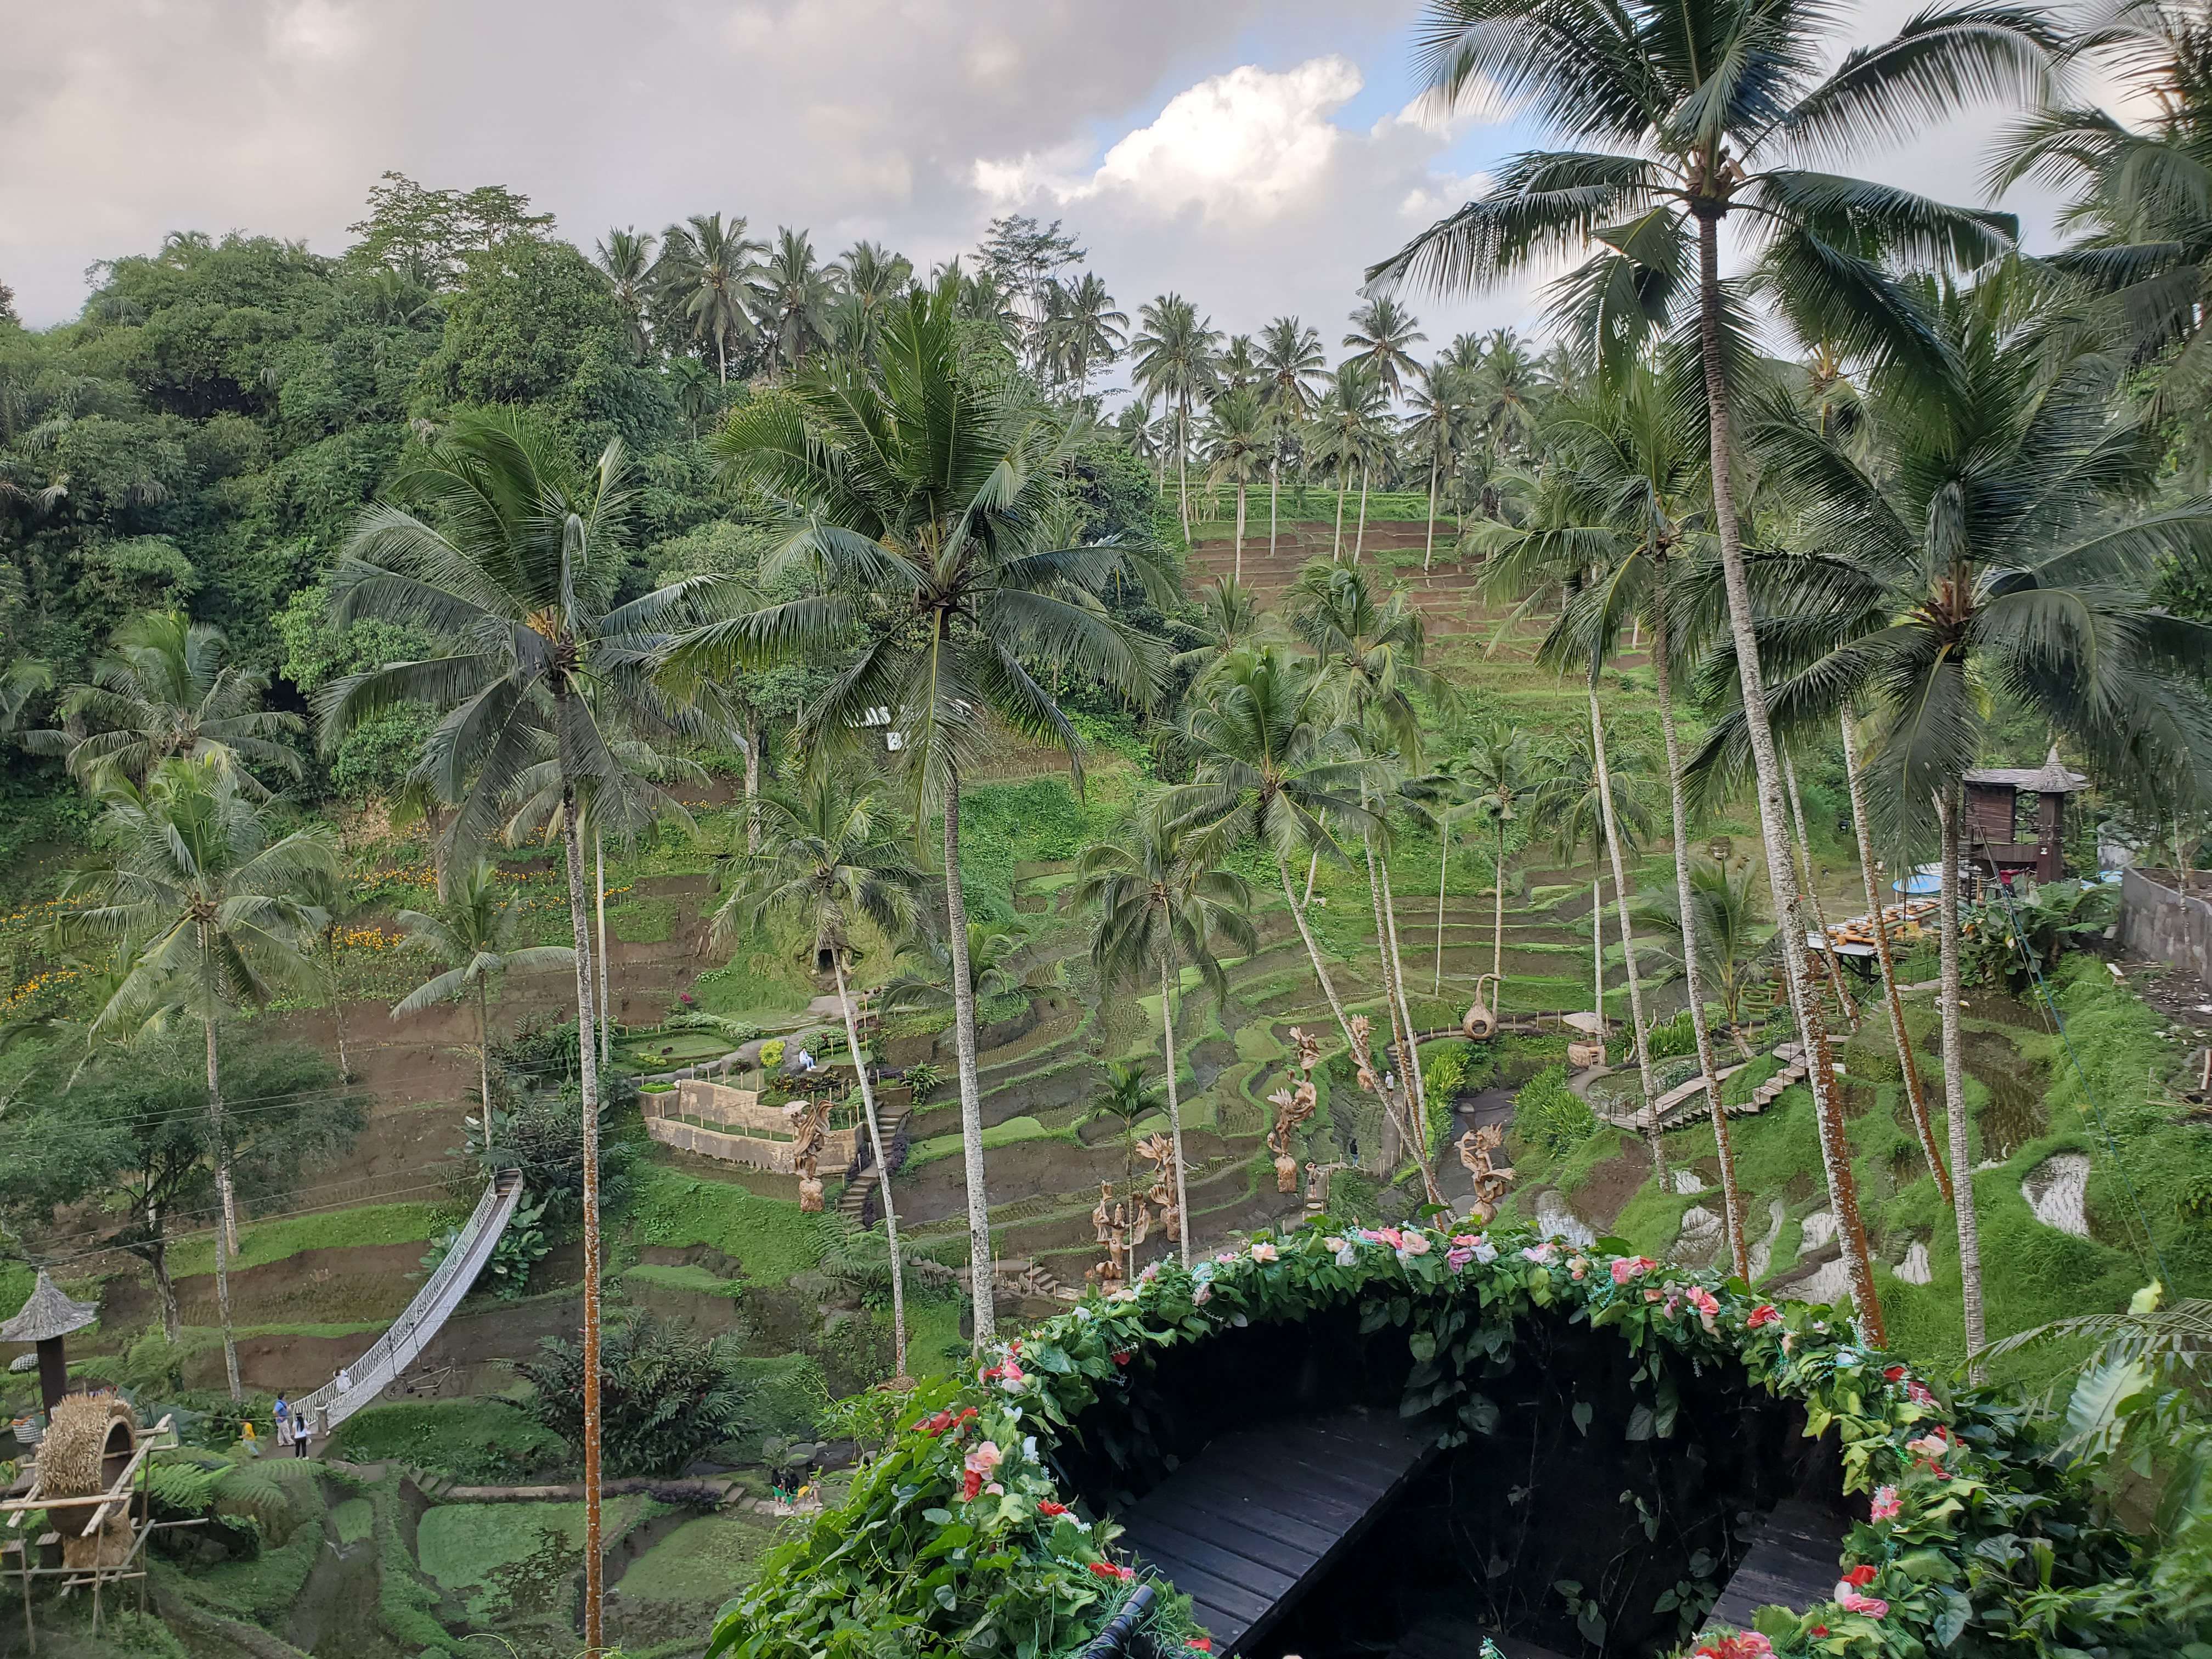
x: 1415, y: 1081
x: 1443, y: 875
x: 587, y: 1064
x: 605, y: 1006
x: 1343, y: 483
x: 1811, y: 892
x: 1731, y: 1201
x: 1359, y: 538
x: 226, y: 1240
x: 1398, y: 1034
x: 1498, y: 923
x: 1954, y: 1084
x: 1175, y: 1099
x: 1429, y: 548
x: 1275, y: 503
x: 1182, y: 469
x: 1240, y: 529
x: 1627, y: 944
x: 1597, y: 950
x: 882, y: 1166
x: 1408, y: 1115
x: 1758, y: 729
x: 1915, y: 1095
x: 483, y: 1050
x: 971, y: 1098
x: 752, y: 784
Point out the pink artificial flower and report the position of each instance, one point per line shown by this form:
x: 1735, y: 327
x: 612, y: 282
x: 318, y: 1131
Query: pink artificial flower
x: 1013, y: 1378
x: 1707, y: 1304
x: 1885, y: 1506
x: 1263, y: 1251
x: 1578, y: 1266
x: 1540, y: 1253
x: 1458, y: 1256
x: 1414, y: 1244
x: 1851, y: 1602
x: 1652, y: 1296
x: 1389, y: 1235
x: 1202, y: 1294
x: 1919, y: 1394
x: 1931, y: 1446
x: 1765, y: 1313
x: 1748, y: 1645
x: 1627, y: 1267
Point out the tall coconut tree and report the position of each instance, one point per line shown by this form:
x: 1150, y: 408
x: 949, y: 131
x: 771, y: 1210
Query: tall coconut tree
x: 1173, y: 361
x: 1436, y: 431
x: 166, y: 688
x: 473, y: 932
x: 1237, y: 448
x: 1681, y: 119
x: 705, y: 267
x: 1230, y: 617
x: 624, y: 258
x: 794, y: 298
x: 490, y: 543
x: 1382, y: 335
x: 1502, y: 778
x: 1292, y: 367
x: 1088, y: 332
x: 1270, y: 759
x: 1348, y: 432
x: 1996, y: 538
x: 870, y: 279
x: 829, y: 862
x: 1442, y: 798
x: 1164, y: 904
x: 221, y: 916
x: 925, y: 499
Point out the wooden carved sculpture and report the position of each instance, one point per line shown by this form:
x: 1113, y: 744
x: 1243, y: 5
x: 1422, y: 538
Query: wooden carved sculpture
x: 1490, y: 1179
x: 1293, y: 1108
x: 810, y: 1132
x: 1159, y: 1152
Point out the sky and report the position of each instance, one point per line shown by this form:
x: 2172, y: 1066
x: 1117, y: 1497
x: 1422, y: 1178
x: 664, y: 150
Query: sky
x: 1253, y: 155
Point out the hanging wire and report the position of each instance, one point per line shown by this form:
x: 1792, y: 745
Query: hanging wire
x: 2088, y: 1092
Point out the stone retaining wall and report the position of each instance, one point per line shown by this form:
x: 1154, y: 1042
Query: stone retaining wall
x: 2157, y: 921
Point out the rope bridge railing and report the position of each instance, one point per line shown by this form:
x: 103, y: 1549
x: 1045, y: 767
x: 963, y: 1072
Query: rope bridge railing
x: 399, y: 1347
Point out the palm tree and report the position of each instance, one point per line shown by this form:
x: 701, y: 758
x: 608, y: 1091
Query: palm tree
x: 1368, y: 655
x: 926, y: 499
x: 1691, y: 105
x: 1161, y: 905
x: 473, y: 932
x: 1291, y: 366
x: 1382, y: 331
x: 827, y: 862
x: 1591, y: 808
x: 489, y: 544
x: 1624, y: 500
x: 1724, y: 918
x: 1438, y: 428
x: 706, y: 266
x: 1235, y: 441
x: 1507, y: 392
x: 1269, y: 759
x: 1440, y: 798
x: 625, y: 260
x: 1089, y: 331
x: 1501, y: 770
x: 1988, y: 544
x: 218, y: 912
x: 167, y: 688
x: 1238, y: 366
x: 872, y: 279
x: 793, y: 298
x: 1130, y: 1100
x: 1348, y: 426
x: 1175, y: 364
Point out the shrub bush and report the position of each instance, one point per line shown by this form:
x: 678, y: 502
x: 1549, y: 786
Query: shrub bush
x: 1548, y: 1114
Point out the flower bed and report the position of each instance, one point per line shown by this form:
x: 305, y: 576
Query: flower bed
x: 958, y: 1536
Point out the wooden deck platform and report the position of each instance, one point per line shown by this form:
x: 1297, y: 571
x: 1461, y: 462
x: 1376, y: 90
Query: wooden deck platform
x: 1794, y: 1562
x: 1254, y: 1519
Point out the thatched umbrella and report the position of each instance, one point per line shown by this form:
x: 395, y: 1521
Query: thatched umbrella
x: 45, y: 1319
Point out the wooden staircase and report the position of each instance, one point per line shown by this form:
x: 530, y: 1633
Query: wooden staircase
x: 1685, y: 1103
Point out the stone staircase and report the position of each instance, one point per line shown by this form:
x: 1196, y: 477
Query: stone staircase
x: 1685, y: 1103
x: 855, y: 1203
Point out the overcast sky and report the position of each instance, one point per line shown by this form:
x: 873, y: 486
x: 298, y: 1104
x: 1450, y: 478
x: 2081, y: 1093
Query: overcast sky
x: 1254, y: 155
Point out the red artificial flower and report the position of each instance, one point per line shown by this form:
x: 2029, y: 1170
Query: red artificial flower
x: 1046, y: 1506
x: 1121, y: 1356
x: 1894, y: 1374
x: 936, y: 1425
x: 1199, y: 1644
x: 1818, y: 1629
x: 1859, y: 1576
x: 1765, y: 1313
x: 970, y: 1486
x: 1108, y: 1570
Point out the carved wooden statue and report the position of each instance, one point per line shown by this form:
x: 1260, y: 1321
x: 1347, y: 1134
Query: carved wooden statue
x: 1293, y: 1108
x: 810, y: 1132
x: 1490, y: 1179
x: 1159, y: 1151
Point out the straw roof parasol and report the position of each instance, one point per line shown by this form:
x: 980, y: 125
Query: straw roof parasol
x: 49, y: 1313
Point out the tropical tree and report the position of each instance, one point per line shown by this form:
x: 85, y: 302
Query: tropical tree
x: 1439, y: 799
x: 1684, y: 117
x: 1507, y: 391
x: 1383, y: 330
x: 1128, y: 1098
x: 1174, y: 364
x: 1291, y: 366
x: 1503, y: 779
x: 1162, y: 906
x: 1994, y: 541
x: 1437, y: 432
x: 473, y: 932
x: 1725, y: 918
x: 827, y: 862
x: 705, y: 266
x: 1349, y: 426
x: 489, y: 543
x: 1235, y: 446
x: 1228, y: 615
x: 925, y: 498
x: 1085, y: 332
x: 625, y: 260
x: 167, y: 688
x: 1270, y: 759
x: 188, y: 870
x: 793, y: 298
x: 870, y: 279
